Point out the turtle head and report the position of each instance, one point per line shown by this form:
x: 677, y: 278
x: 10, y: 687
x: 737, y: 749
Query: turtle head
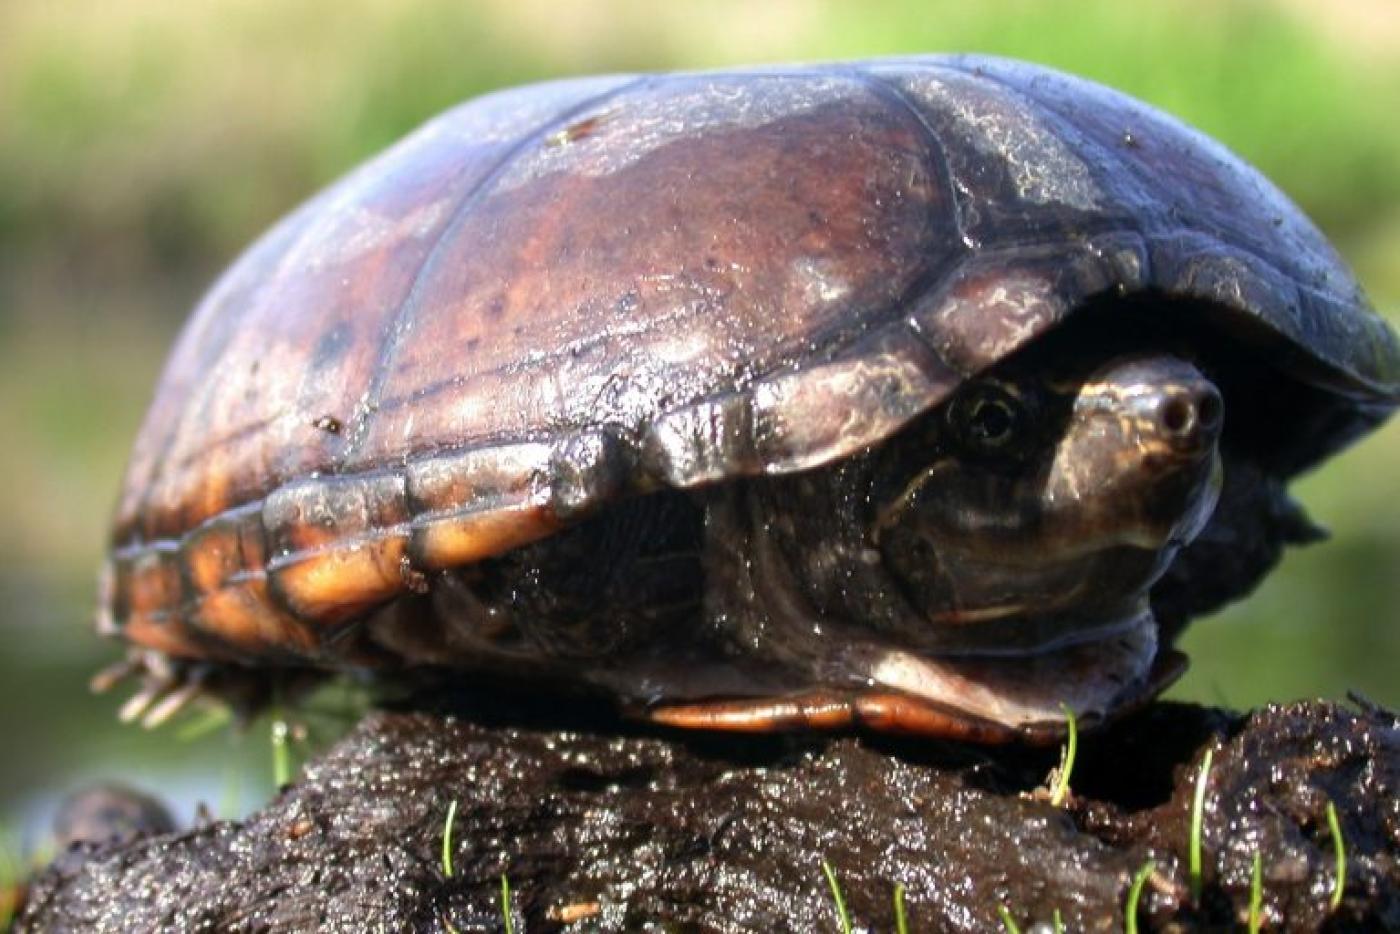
x: 1049, y: 500
x: 1056, y: 495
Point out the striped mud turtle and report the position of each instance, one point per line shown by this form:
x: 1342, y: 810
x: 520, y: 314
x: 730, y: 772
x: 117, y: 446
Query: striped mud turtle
x: 922, y: 394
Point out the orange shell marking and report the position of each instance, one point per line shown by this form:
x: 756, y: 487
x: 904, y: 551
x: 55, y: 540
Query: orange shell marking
x: 277, y: 576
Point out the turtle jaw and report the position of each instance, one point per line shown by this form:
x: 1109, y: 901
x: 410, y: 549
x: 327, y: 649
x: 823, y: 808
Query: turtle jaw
x: 1029, y: 694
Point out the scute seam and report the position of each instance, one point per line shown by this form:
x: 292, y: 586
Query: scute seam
x: 399, y: 324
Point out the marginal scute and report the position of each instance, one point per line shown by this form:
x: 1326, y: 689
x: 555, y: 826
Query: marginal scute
x: 995, y: 304
x: 337, y: 543
x: 1185, y: 193
x: 702, y: 443
x: 246, y: 619
x: 280, y: 575
x: 476, y: 478
x: 588, y: 469
x: 147, y: 596
x: 819, y: 415
x: 309, y: 516
x: 472, y: 504
x: 474, y: 535
x: 988, y: 310
x: 1116, y: 261
x: 224, y: 549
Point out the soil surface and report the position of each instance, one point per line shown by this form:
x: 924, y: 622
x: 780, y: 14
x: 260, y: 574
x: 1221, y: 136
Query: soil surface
x: 601, y: 827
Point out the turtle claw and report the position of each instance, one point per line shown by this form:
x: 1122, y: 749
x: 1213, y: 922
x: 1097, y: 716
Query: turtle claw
x: 166, y: 687
x: 139, y: 702
x: 172, y: 704
x: 114, y: 674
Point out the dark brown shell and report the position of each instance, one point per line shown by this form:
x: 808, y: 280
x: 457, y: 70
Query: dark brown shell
x: 556, y: 295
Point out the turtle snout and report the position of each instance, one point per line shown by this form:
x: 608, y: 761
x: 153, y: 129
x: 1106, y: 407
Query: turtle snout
x: 1189, y: 415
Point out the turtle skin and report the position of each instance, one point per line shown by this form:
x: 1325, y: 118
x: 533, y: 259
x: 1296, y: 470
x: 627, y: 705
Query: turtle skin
x: 456, y: 368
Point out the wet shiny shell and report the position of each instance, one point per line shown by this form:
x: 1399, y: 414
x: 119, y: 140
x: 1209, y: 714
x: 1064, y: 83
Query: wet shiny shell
x: 555, y: 296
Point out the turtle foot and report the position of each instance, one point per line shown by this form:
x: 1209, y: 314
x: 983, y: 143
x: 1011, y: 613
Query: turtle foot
x: 167, y: 685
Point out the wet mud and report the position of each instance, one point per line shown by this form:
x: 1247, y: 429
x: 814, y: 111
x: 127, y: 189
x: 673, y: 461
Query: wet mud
x: 601, y: 830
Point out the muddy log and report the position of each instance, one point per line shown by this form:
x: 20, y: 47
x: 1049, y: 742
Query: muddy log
x: 604, y: 832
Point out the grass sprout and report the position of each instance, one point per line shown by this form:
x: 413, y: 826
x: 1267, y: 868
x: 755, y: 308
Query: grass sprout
x: 1057, y: 922
x: 1067, y: 753
x: 506, y: 915
x: 447, y: 839
x: 1256, y: 894
x: 836, y: 896
x: 901, y: 920
x: 1338, y: 846
x: 1008, y: 922
x: 1130, y: 909
x: 1198, y: 807
x: 281, y: 750
x: 207, y: 721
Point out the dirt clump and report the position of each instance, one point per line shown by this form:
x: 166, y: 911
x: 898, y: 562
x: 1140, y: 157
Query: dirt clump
x: 601, y: 830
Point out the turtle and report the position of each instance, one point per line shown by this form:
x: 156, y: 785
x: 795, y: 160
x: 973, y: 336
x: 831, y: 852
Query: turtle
x: 930, y: 395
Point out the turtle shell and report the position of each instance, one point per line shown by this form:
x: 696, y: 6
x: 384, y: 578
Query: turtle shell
x: 555, y: 296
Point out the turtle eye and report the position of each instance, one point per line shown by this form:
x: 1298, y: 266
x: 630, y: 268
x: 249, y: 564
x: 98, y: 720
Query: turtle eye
x: 989, y: 419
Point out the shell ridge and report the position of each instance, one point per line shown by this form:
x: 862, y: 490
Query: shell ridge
x: 402, y: 318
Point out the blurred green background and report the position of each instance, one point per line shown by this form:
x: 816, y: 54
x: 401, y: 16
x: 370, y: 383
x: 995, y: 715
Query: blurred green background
x: 142, y: 144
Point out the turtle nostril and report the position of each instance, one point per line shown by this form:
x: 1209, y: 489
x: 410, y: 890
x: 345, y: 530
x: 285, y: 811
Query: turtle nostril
x: 1192, y: 417
x: 1178, y: 415
x: 1209, y: 410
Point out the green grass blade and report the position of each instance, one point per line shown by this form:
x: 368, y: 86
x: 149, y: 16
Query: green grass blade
x: 506, y: 914
x: 901, y: 920
x: 1061, y: 791
x: 281, y: 750
x: 1057, y: 922
x: 1130, y: 909
x: 447, y: 839
x: 1007, y: 922
x: 206, y: 722
x: 1339, y: 845
x: 836, y: 895
x: 230, y: 792
x: 1198, y: 807
x: 1256, y: 894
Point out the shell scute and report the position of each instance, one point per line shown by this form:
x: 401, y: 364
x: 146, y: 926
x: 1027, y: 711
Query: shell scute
x: 344, y: 264
x: 569, y: 278
x: 1013, y: 166
x: 337, y: 544
x: 478, y: 502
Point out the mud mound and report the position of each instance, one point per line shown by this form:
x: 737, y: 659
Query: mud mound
x: 605, y: 832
